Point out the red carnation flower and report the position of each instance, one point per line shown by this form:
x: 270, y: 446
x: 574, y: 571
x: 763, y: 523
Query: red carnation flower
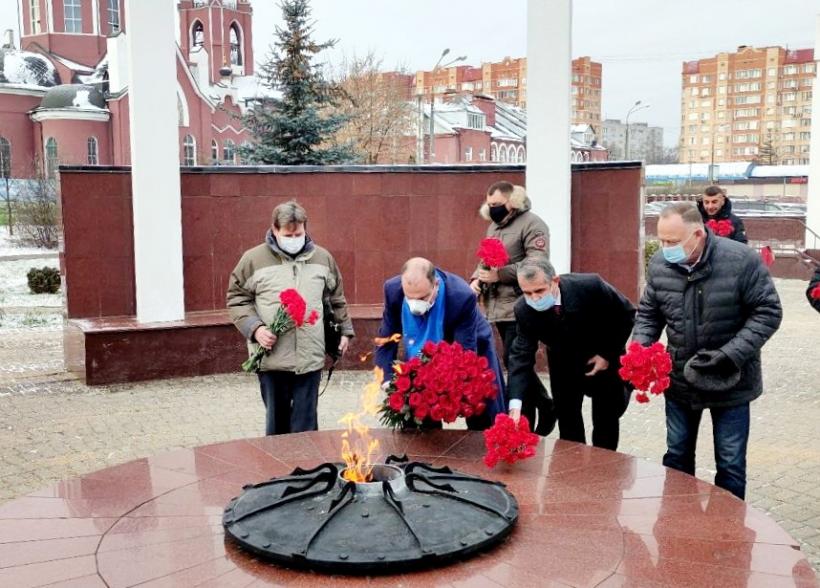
x: 646, y: 368
x: 815, y: 292
x: 492, y: 253
x: 721, y: 228
x: 507, y: 442
x: 445, y: 383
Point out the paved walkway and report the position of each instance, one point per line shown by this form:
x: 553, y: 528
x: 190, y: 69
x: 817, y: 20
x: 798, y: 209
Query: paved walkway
x: 52, y: 426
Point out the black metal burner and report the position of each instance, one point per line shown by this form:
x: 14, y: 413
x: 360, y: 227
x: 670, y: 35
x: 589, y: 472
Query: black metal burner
x: 411, y: 515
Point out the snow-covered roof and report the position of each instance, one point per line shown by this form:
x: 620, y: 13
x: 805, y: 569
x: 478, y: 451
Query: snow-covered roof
x: 780, y: 171
x: 250, y: 88
x: 73, y: 96
x: 700, y: 171
x: 27, y: 69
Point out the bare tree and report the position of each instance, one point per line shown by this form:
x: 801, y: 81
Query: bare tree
x: 5, y: 174
x: 380, y: 114
x: 37, y: 213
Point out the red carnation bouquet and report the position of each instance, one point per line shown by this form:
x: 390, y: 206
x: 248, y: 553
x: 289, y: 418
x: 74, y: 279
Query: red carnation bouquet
x: 646, y: 368
x: 815, y: 292
x: 291, y: 314
x: 507, y: 442
x: 444, y: 382
x: 491, y: 254
x: 721, y: 228
x: 767, y: 255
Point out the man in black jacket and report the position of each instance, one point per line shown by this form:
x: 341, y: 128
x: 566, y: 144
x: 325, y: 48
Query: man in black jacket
x: 584, y: 322
x: 719, y: 306
x: 815, y: 283
x: 714, y: 205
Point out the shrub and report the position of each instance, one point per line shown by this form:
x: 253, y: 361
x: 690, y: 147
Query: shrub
x: 44, y: 281
x: 649, y: 249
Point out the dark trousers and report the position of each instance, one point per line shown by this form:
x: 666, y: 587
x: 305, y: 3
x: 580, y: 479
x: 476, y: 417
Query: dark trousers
x: 536, y: 400
x: 730, y: 429
x: 290, y: 401
x: 609, y: 400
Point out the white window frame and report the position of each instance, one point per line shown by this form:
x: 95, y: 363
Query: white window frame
x: 189, y: 151
x: 229, y: 149
x: 34, y: 16
x: 93, y: 151
x: 73, y: 16
x: 52, y: 153
x: 113, y: 15
x: 5, y: 161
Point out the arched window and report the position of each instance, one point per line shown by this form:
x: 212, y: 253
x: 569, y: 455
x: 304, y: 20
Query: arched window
x: 93, y: 158
x: 197, y: 34
x: 34, y: 14
x: 5, y: 158
x: 214, y: 152
x: 114, y: 16
x: 522, y: 157
x: 493, y: 152
x: 189, y: 151
x: 236, y: 45
x: 229, y: 152
x: 52, y: 158
x: 502, y: 154
x: 73, y: 12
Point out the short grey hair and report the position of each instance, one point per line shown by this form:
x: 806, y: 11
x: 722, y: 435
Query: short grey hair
x: 686, y: 210
x: 532, y: 267
x: 288, y: 213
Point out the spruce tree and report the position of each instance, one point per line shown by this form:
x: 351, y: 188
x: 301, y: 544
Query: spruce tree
x: 299, y: 127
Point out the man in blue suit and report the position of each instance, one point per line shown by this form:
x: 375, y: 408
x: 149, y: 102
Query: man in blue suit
x: 424, y: 304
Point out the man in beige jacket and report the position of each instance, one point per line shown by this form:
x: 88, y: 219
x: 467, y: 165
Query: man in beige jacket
x: 524, y: 235
x: 291, y: 372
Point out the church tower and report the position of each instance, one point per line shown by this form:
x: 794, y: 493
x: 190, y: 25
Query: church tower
x: 222, y: 29
x: 75, y: 30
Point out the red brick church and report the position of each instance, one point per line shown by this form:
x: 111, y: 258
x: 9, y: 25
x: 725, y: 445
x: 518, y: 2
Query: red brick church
x: 64, y: 90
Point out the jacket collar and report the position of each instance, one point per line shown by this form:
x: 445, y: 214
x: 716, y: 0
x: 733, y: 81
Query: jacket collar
x: 704, y: 265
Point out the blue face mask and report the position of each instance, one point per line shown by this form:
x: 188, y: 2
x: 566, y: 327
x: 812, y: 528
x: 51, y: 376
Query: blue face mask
x: 676, y: 253
x: 544, y: 303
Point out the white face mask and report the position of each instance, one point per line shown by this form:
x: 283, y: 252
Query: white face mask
x: 418, y: 307
x: 292, y: 245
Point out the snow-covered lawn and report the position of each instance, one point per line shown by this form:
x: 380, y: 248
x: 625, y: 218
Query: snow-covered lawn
x: 9, y: 245
x: 14, y: 290
x: 19, y: 308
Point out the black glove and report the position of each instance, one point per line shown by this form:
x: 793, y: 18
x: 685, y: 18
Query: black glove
x: 712, y: 371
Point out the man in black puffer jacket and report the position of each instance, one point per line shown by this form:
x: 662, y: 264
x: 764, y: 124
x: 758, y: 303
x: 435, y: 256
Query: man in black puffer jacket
x: 714, y: 205
x: 719, y: 306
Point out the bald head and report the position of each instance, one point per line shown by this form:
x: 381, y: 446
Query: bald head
x: 418, y: 276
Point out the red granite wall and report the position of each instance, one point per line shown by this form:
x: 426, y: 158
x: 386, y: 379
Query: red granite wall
x: 371, y: 222
x: 757, y: 228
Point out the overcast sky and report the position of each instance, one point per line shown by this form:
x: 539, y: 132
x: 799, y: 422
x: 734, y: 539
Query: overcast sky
x: 641, y: 43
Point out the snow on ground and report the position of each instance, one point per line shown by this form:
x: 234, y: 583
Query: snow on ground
x: 14, y: 290
x: 10, y: 246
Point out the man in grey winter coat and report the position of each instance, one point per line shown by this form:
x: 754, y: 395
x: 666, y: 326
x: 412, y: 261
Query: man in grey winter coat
x: 719, y: 306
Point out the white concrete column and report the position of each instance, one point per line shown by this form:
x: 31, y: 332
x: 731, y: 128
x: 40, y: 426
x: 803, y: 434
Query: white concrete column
x: 152, y: 94
x: 813, y: 205
x: 549, y: 70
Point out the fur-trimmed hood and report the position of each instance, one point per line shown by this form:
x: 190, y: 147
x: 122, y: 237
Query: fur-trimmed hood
x: 519, y: 202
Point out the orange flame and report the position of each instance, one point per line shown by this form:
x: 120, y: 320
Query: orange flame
x: 394, y: 338
x: 380, y: 342
x: 358, y: 449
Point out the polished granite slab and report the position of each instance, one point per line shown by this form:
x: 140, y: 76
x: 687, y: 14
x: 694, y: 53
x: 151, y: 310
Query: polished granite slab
x: 589, y: 517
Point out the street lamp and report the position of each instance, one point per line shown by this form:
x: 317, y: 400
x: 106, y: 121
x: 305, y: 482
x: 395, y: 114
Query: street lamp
x: 635, y: 108
x: 433, y: 99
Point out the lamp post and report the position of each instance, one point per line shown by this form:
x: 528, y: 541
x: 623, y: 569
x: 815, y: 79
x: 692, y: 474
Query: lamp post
x: 433, y: 100
x: 635, y: 107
